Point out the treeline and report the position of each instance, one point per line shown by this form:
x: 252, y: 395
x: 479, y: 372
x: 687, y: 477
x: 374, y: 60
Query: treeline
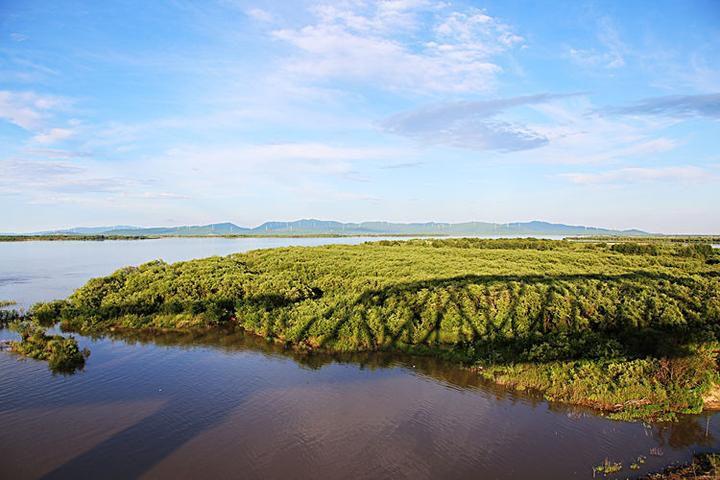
x: 99, y: 238
x: 632, y: 331
x: 495, y: 244
x: 648, y: 238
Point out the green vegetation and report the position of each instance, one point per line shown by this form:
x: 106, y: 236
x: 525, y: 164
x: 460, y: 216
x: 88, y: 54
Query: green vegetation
x: 636, y: 464
x: 648, y: 238
x: 71, y: 237
x: 28, y: 238
x: 62, y: 354
x: 633, y: 332
x: 607, y: 468
x: 7, y: 316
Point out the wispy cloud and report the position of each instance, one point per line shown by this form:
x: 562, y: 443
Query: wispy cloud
x: 471, y: 124
x: 630, y: 175
x: 611, y: 56
x: 18, y: 37
x: 681, y: 106
x: 393, y: 166
x: 59, y: 181
x: 260, y: 14
x: 278, y: 160
x: 375, y: 43
x: 53, y: 135
x: 53, y: 153
x: 578, y: 134
x: 28, y: 110
x: 39, y: 177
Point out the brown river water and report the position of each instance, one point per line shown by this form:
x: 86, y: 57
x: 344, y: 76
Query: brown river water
x: 229, y: 405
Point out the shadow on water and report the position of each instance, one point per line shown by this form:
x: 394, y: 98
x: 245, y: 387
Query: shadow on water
x: 135, y: 450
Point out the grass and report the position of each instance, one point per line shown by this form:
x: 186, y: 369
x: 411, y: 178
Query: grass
x: 631, y: 331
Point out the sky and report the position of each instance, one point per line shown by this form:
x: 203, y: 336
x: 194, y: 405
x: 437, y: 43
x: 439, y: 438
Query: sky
x: 602, y: 113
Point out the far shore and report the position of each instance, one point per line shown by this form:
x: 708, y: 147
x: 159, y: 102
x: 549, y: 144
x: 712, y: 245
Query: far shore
x: 713, y: 239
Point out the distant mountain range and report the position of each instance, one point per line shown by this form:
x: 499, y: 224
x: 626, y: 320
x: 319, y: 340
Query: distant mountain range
x: 324, y: 227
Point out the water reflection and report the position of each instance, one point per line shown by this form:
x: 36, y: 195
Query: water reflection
x: 691, y: 430
x: 225, y: 404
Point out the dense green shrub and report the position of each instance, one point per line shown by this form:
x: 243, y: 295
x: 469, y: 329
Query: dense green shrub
x: 6, y: 315
x: 543, y: 304
x: 696, y: 250
x: 62, y: 354
x: 635, y: 248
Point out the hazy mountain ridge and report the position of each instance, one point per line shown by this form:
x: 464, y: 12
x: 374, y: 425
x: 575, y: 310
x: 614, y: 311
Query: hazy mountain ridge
x: 328, y: 227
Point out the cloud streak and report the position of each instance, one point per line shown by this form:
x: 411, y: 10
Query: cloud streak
x: 472, y: 124
x: 612, y: 56
x: 633, y: 175
x: 679, y: 106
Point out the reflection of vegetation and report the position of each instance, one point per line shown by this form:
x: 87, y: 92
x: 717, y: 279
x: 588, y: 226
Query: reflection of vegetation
x: 693, y: 430
x: 62, y: 354
x: 628, y: 331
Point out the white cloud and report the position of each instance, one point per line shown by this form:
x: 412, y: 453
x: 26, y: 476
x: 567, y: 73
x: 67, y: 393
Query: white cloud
x: 260, y: 14
x: 27, y: 110
x: 629, y: 175
x: 377, y: 44
x: 578, y: 134
x: 53, y: 135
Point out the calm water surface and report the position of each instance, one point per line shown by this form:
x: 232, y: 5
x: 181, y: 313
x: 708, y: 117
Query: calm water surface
x: 226, y: 405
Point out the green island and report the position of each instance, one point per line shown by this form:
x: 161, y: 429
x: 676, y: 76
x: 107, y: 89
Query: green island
x: 62, y: 353
x: 630, y: 329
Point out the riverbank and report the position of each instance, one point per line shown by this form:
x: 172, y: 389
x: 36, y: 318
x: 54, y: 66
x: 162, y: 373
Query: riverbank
x: 705, y: 466
x: 102, y: 237
x: 626, y: 331
x: 60, y: 238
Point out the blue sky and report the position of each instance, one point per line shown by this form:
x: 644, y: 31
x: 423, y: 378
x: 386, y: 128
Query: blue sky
x: 180, y: 112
